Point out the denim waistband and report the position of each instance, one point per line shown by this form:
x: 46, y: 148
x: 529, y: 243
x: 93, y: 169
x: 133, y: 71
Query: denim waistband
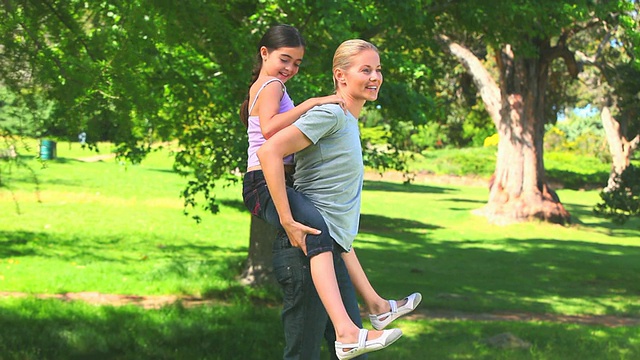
x: 257, y: 177
x: 254, y: 175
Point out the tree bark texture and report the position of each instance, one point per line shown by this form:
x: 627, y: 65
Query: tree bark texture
x: 518, y: 189
x: 620, y: 148
x: 259, y: 269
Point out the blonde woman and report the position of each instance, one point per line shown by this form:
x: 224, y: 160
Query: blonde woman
x: 329, y: 172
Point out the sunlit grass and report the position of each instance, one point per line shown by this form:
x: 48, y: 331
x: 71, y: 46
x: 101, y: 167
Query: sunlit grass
x: 115, y: 228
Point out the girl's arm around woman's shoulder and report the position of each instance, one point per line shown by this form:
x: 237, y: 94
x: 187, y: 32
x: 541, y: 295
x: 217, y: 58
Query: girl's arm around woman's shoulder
x: 278, y: 121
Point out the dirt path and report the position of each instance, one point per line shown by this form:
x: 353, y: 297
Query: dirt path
x: 156, y: 302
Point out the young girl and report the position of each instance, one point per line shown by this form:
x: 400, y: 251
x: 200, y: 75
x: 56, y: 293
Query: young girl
x: 267, y: 110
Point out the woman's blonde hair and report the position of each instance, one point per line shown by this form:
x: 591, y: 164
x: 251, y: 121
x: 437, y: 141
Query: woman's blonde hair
x: 345, y: 52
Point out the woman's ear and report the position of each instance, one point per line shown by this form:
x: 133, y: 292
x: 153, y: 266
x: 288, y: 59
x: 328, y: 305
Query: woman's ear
x: 340, y: 76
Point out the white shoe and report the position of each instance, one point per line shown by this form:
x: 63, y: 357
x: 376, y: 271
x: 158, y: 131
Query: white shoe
x: 412, y: 302
x: 364, y: 346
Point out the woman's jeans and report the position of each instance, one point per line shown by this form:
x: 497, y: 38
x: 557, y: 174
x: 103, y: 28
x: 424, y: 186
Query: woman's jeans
x: 257, y: 199
x: 304, y: 318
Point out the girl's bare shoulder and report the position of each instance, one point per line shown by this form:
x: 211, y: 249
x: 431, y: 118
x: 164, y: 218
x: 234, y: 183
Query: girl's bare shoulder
x: 262, y: 80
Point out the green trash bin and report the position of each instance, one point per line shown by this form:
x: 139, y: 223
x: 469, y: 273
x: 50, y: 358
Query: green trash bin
x: 47, y: 149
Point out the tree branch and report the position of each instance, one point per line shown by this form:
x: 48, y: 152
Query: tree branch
x: 487, y: 86
x: 633, y: 144
x: 561, y: 51
x: 74, y: 29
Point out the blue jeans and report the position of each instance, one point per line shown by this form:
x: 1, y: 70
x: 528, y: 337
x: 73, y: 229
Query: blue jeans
x: 304, y: 318
x: 257, y: 199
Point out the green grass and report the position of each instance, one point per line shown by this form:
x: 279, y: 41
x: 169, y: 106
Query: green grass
x: 111, y: 228
x: 47, y: 329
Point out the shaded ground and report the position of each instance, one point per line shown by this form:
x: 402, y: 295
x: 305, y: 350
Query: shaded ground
x: 155, y: 302
x: 97, y: 158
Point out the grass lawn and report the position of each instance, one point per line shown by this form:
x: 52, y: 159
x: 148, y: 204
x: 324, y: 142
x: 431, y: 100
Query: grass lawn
x: 110, y: 228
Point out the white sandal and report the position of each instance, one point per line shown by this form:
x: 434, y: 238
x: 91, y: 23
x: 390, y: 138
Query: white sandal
x: 364, y: 346
x: 412, y: 302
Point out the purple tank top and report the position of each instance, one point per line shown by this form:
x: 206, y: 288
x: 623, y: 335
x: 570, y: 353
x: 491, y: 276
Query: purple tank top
x: 255, y: 134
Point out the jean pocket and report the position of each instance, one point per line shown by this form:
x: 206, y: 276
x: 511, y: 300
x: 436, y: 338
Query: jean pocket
x: 285, y: 261
x: 284, y: 275
x: 252, y: 202
x: 290, y: 268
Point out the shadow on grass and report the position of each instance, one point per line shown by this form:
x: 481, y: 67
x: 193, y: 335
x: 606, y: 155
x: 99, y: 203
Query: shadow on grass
x: 520, y: 275
x: 51, y: 329
x: 17, y: 243
x: 468, y: 201
x: 509, y: 274
x: 601, y: 224
x: 25, y: 243
x: 62, y: 160
x: 402, y: 187
x: 393, y: 227
x: 235, y: 204
x: 143, y: 261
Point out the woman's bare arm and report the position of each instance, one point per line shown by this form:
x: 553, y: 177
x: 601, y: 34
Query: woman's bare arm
x: 287, y: 141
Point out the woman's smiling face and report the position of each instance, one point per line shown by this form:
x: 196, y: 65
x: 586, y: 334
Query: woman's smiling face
x: 364, y: 76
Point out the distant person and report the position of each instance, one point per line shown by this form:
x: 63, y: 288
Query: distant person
x: 82, y: 137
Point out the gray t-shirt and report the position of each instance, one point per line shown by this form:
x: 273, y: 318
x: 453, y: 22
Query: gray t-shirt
x: 330, y: 171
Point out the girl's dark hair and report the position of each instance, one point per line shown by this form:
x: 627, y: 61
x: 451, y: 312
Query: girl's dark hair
x: 276, y: 37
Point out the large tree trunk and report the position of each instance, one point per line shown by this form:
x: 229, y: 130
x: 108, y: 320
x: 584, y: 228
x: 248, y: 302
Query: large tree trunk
x: 518, y: 190
x: 258, y: 269
x: 620, y: 148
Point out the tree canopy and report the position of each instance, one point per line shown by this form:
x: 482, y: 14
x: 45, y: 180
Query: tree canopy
x: 138, y: 72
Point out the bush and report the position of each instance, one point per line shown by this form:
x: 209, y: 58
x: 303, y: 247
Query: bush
x: 623, y: 201
x: 429, y: 136
x: 576, y: 171
x: 580, y: 135
x: 554, y: 139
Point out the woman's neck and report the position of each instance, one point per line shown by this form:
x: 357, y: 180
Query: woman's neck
x: 354, y: 106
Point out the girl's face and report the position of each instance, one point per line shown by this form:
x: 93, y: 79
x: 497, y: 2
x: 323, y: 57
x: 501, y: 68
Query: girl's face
x: 282, y: 63
x: 364, y: 77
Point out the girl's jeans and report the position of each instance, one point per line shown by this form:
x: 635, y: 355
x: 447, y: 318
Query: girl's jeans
x: 258, y: 200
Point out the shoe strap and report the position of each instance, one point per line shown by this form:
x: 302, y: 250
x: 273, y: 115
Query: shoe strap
x: 362, y: 338
x: 394, y: 306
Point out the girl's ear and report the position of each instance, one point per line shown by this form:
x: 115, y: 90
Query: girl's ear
x: 264, y: 52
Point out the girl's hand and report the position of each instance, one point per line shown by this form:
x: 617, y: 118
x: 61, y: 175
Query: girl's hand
x: 333, y: 99
x: 297, y: 234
